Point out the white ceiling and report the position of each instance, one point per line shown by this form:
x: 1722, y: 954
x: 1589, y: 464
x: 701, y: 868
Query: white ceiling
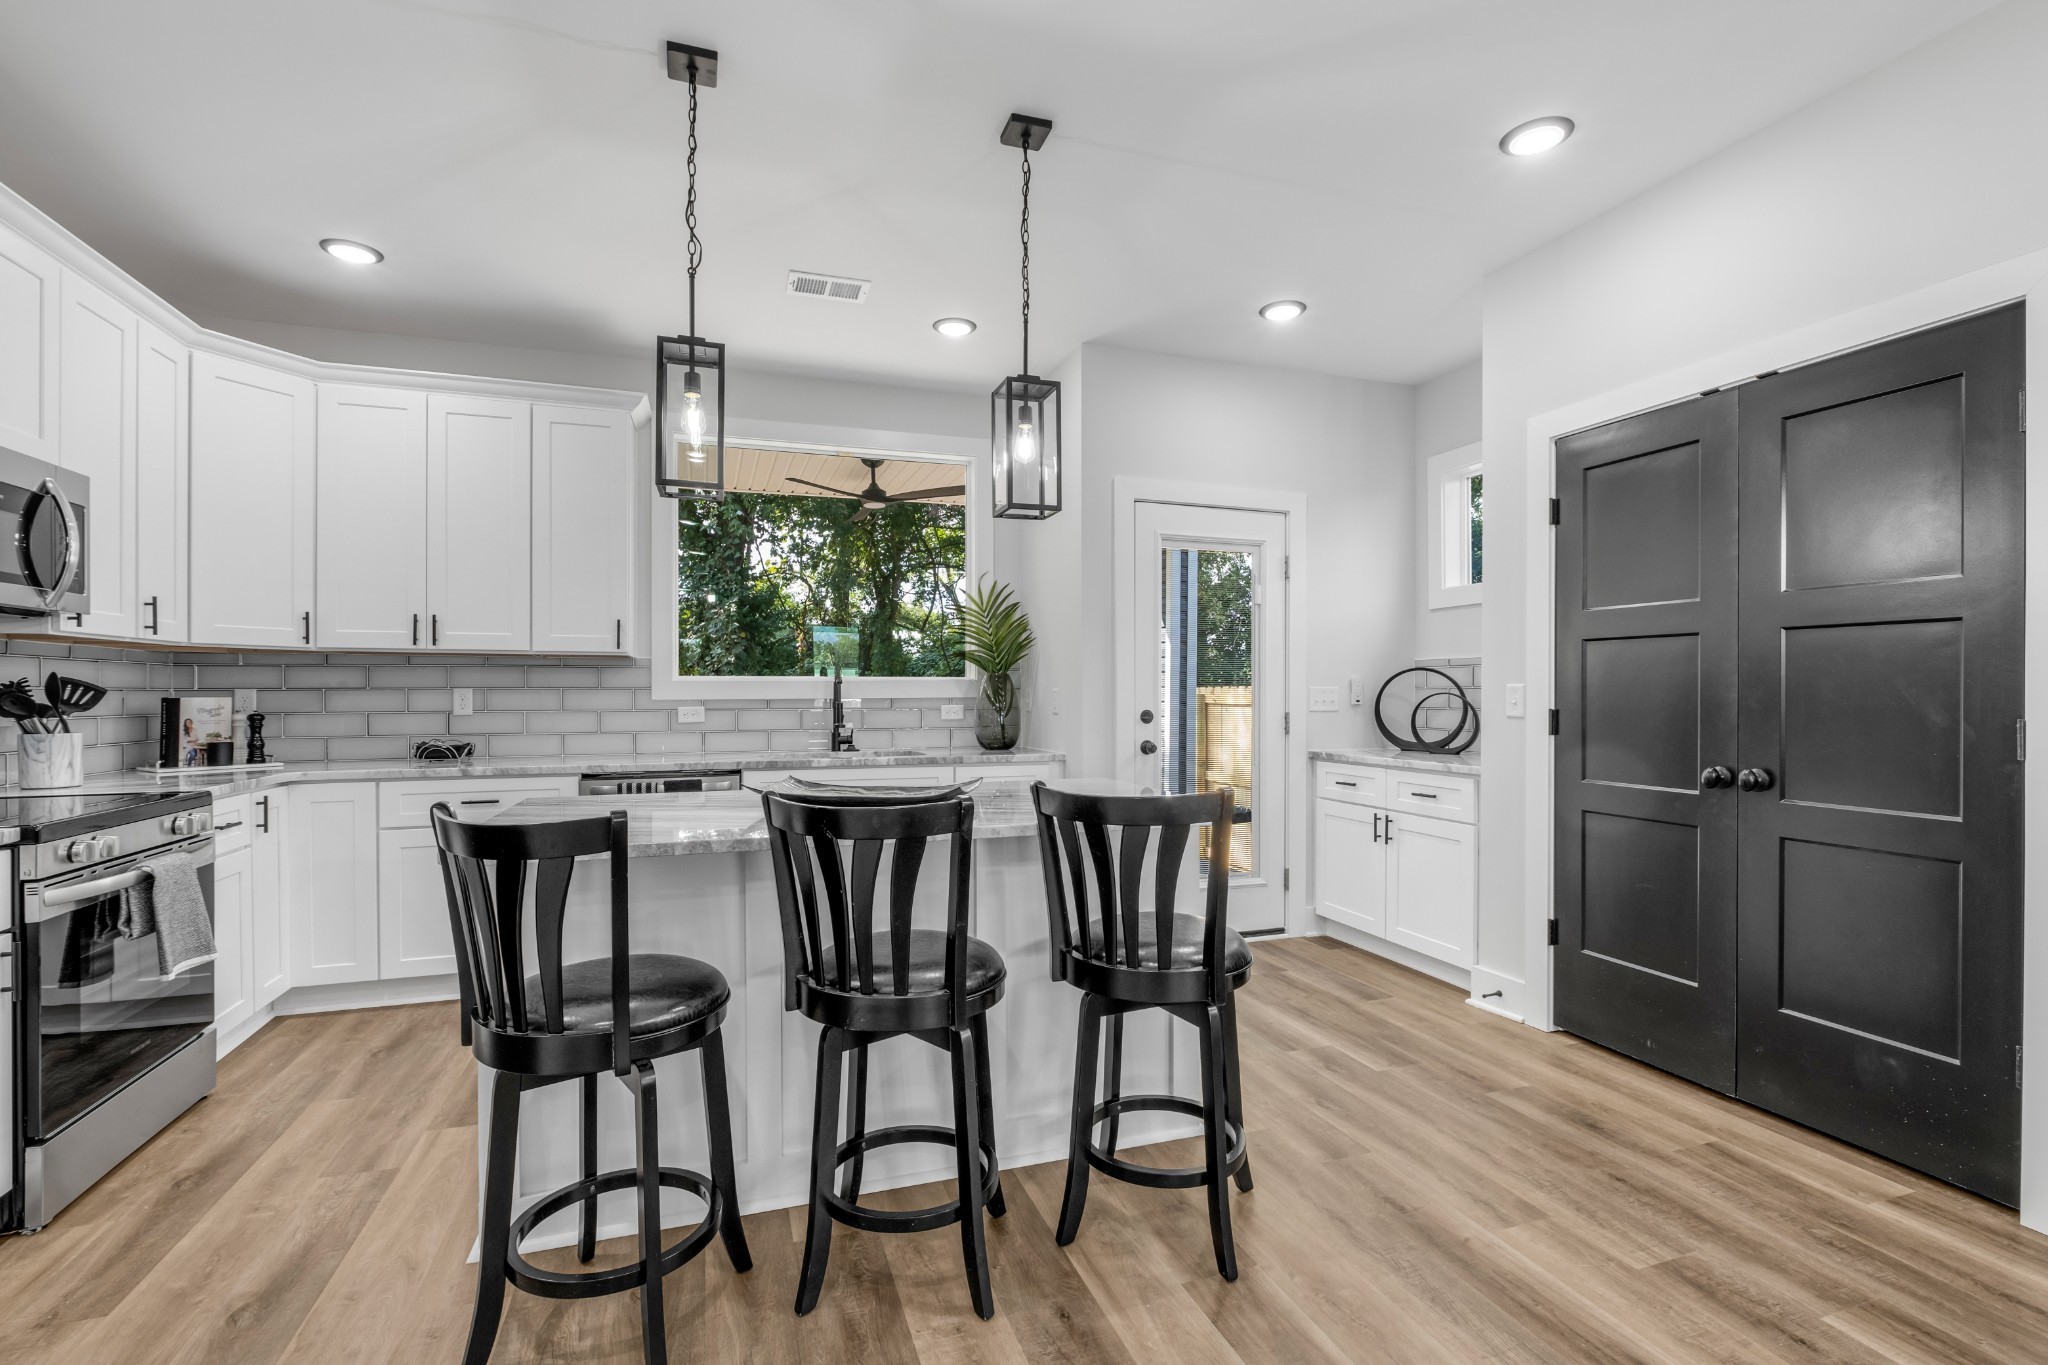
x: 520, y: 161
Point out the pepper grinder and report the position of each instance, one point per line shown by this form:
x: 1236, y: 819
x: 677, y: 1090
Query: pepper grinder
x: 256, y: 753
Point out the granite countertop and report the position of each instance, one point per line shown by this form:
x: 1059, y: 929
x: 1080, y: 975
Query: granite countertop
x: 1467, y: 764
x: 235, y: 783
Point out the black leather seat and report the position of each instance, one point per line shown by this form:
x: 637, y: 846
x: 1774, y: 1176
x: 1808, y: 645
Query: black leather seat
x: 1186, y: 949
x: 985, y: 967
x: 665, y: 993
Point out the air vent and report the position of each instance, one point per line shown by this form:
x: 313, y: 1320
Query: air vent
x: 839, y: 289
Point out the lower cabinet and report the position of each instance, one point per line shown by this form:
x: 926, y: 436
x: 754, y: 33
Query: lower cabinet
x: 1410, y: 879
x: 269, y: 965
x: 1351, y: 866
x: 332, y: 827
x: 1432, y: 896
x: 234, y: 998
x: 413, y: 932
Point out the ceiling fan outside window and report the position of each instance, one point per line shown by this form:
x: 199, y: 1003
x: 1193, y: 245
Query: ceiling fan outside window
x: 874, y: 497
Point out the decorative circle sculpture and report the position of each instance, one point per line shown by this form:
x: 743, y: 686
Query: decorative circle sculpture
x: 1462, y: 735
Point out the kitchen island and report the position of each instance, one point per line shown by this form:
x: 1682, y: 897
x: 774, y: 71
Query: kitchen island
x: 702, y: 886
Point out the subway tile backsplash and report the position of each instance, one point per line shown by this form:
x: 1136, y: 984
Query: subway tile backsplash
x: 361, y: 707
x: 1440, y: 713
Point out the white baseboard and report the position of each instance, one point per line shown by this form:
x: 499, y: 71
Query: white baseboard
x: 1507, y: 1004
x: 1394, y: 952
x: 357, y: 995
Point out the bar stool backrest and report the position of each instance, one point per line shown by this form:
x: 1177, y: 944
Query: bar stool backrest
x: 485, y: 870
x: 1103, y: 840
x: 828, y: 861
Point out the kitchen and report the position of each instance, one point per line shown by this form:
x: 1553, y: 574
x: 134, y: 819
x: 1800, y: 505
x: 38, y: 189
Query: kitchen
x: 322, y: 534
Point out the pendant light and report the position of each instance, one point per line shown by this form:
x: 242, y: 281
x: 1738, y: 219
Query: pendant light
x: 1024, y: 410
x: 689, y: 388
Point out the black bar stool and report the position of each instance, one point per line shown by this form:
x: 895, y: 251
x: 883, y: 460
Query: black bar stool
x: 556, y: 1024
x: 1114, y: 955
x: 864, y: 986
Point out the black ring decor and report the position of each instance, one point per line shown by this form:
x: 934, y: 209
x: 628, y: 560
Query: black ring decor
x: 1462, y: 736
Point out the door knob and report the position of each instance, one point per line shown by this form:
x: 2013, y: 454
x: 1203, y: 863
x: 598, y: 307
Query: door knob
x: 1755, y: 780
x: 1145, y: 717
x: 1148, y: 747
x: 1716, y: 776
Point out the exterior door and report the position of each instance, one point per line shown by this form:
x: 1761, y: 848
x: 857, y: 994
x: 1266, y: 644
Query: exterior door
x: 1646, y: 850
x: 1882, y: 597
x: 1209, y: 660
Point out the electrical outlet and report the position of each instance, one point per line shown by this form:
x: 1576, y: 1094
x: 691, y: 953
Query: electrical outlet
x: 245, y: 700
x: 690, y: 715
x: 953, y: 711
x: 1357, y: 691
x: 465, y: 701
x: 1055, y: 701
x: 1516, y: 706
x: 1322, y: 699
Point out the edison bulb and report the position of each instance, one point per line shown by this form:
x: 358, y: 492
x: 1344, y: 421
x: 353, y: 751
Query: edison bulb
x: 1024, y: 437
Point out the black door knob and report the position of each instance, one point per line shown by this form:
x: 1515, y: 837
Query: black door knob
x: 1144, y: 717
x: 1755, y: 780
x: 1148, y: 747
x: 1716, y: 776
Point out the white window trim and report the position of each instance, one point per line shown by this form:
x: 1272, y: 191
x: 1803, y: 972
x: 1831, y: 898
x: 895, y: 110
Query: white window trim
x: 968, y: 453
x: 1449, y: 549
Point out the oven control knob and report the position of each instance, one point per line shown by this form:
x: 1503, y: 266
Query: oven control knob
x: 78, y: 851
x: 106, y: 847
x: 182, y: 825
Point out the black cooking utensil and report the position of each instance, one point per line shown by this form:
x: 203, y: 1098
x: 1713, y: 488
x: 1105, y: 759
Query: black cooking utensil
x: 68, y: 696
x: 20, y: 708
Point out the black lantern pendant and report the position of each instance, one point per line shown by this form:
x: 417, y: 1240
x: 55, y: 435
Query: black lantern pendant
x: 689, y: 385
x: 1024, y: 410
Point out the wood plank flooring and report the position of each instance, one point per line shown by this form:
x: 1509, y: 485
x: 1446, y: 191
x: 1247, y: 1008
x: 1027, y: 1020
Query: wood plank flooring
x: 1434, y: 1184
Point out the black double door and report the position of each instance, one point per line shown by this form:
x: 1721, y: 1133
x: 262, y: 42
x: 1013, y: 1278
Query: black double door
x: 1789, y: 668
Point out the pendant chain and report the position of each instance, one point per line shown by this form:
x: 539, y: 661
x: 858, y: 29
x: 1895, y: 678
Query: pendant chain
x: 690, y: 203
x: 1024, y: 236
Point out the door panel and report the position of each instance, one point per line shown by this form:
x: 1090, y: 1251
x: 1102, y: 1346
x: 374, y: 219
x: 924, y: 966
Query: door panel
x: 1646, y: 687
x: 1432, y: 886
x: 371, y: 587
x: 1881, y: 605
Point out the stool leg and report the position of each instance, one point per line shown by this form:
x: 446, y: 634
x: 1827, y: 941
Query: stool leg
x: 967, y: 1085
x: 586, y: 1217
x: 500, y: 1168
x: 1216, y: 1141
x: 1230, y: 1062
x: 824, y: 1160
x: 856, y: 1124
x: 718, y: 1120
x: 1113, y: 1086
x: 653, y: 1325
x: 996, y: 1207
x: 1081, y: 1124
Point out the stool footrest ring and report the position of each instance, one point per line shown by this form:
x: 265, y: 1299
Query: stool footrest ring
x: 906, y: 1220
x: 590, y: 1284
x: 1159, y: 1177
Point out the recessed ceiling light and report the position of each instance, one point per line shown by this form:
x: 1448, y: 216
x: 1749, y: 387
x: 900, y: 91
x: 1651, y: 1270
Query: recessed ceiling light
x: 355, y: 253
x: 1283, y: 310
x: 953, y: 327
x: 1537, y: 135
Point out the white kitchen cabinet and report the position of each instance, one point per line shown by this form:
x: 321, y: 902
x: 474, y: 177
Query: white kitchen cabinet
x: 583, y: 525
x: 371, y: 496
x: 233, y: 998
x: 7, y: 1049
x: 479, y: 524
x: 415, y: 936
x: 406, y: 805
x: 30, y: 292
x: 1397, y: 856
x: 755, y: 779
x: 163, y: 491
x: 269, y: 966
x: 96, y: 423
x: 253, y: 475
x: 331, y: 864
x: 1351, y: 866
x: 1432, y: 892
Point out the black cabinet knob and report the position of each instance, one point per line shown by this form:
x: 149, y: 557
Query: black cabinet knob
x: 1148, y: 747
x: 1755, y: 780
x: 1716, y: 776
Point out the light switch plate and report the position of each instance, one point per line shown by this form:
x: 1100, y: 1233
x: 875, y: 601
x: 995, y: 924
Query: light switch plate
x: 1516, y: 706
x: 1322, y: 699
x: 690, y: 715
x: 245, y: 700
x: 465, y: 701
x: 953, y: 711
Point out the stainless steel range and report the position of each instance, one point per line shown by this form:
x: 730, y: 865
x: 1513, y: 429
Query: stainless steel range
x: 108, y: 1050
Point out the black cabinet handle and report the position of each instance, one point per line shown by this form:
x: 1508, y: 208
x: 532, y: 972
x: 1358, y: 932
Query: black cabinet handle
x: 232, y: 824
x: 1390, y: 829
x: 1755, y: 780
x: 1716, y: 776
x: 415, y: 627
x: 435, y: 638
x: 151, y: 627
x: 264, y: 802
x: 1375, y: 826
x: 481, y: 801
x: 618, y: 632
x: 306, y: 625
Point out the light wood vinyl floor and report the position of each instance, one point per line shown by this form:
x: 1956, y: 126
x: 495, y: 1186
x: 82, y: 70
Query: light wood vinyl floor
x: 1434, y: 1184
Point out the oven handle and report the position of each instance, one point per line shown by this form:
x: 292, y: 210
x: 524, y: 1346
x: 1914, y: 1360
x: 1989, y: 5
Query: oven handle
x: 39, y: 903
x: 53, y: 489
x: 61, y: 896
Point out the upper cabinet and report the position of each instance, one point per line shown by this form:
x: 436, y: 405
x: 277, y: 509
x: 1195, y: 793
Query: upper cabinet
x: 252, y: 504
x: 163, y: 494
x: 372, y: 536
x: 96, y: 415
x: 479, y: 524
x: 30, y: 288
x: 583, y: 464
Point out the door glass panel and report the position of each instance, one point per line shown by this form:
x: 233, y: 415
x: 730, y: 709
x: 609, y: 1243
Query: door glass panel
x: 1208, y: 648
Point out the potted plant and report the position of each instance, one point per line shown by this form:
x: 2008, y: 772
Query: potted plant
x: 995, y: 636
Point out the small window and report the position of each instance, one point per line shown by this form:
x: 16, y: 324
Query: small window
x: 1457, y: 528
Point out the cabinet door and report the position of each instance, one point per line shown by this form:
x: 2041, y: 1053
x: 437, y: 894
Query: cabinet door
x: 252, y: 504
x: 96, y: 419
x: 583, y: 521
x: 332, y: 894
x: 29, y: 293
x: 233, y: 1002
x: 371, y: 580
x: 479, y: 524
x: 415, y: 936
x: 163, y: 497
x: 1351, y: 866
x: 269, y: 969
x: 1432, y: 886
x: 7, y: 1055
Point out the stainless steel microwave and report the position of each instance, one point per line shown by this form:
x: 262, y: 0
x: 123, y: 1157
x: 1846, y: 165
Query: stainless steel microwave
x: 43, y: 516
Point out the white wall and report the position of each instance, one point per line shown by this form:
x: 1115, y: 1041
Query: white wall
x: 1447, y: 416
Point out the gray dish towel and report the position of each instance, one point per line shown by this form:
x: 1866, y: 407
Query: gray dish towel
x: 170, y: 904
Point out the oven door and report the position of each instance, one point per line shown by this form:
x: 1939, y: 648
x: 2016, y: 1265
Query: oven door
x: 96, y: 1011
x: 42, y: 537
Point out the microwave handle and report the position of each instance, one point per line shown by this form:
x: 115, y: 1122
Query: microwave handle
x: 51, y: 488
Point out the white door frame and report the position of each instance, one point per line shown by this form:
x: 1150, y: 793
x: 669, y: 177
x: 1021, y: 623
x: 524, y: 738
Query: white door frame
x: 1126, y: 493
x: 2023, y: 279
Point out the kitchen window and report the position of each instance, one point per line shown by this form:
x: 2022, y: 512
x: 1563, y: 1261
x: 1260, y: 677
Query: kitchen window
x: 1456, y: 515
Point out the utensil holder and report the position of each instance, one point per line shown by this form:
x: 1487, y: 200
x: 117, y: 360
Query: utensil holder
x: 52, y: 760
